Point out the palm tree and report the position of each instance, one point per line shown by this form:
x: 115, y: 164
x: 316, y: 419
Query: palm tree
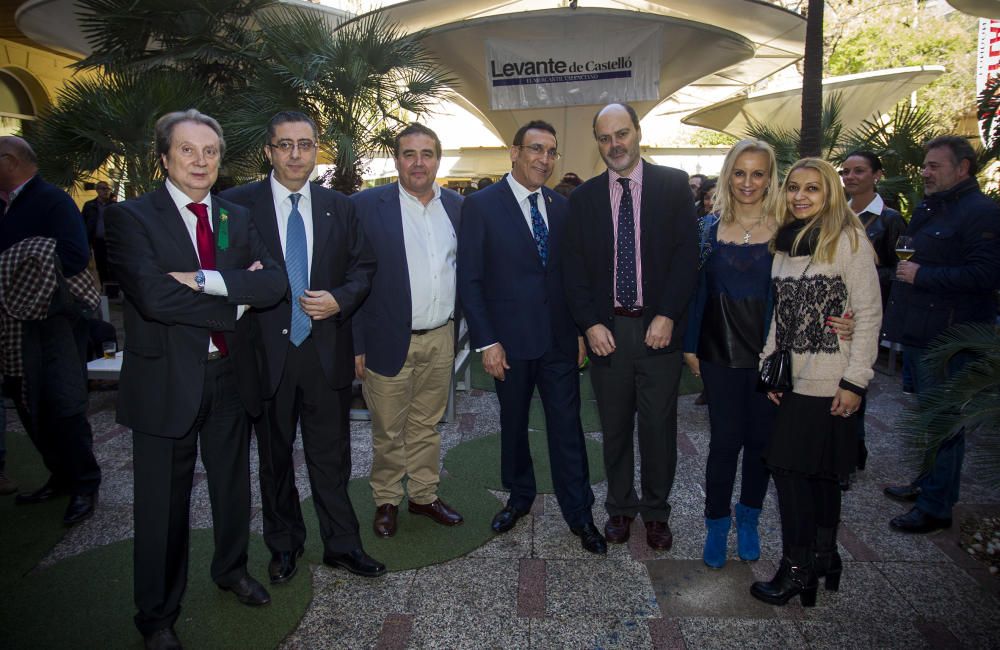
x: 362, y: 81
x: 968, y: 401
x: 787, y: 143
x: 812, y: 82
x: 106, y: 122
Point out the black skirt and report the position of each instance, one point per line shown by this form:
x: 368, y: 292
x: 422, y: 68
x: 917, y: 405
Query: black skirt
x: 808, y: 440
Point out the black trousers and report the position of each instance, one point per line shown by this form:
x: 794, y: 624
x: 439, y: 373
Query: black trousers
x: 305, y: 398
x: 164, y: 469
x: 635, y: 381
x: 54, y: 411
x: 805, y: 504
x: 740, y: 418
x: 558, y: 382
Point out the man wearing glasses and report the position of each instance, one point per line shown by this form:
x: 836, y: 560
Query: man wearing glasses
x: 305, y: 357
x: 510, y: 287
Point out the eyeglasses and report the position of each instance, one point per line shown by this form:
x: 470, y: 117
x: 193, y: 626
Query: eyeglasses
x: 286, y: 146
x: 539, y: 150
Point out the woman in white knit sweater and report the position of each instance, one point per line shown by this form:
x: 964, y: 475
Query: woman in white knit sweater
x: 823, y: 266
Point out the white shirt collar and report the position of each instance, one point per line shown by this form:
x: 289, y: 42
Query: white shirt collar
x: 875, y: 207
x: 520, y: 191
x: 404, y: 195
x: 181, y: 200
x: 281, y: 192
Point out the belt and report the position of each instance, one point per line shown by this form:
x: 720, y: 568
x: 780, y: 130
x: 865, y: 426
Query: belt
x: 629, y: 313
x: 215, y: 355
x: 427, y: 331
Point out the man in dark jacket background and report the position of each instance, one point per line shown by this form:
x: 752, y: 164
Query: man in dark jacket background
x: 949, y: 280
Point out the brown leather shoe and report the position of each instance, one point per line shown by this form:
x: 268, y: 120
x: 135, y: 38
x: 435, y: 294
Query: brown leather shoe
x: 385, y: 520
x: 437, y: 510
x: 617, y: 529
x: 658, y: 535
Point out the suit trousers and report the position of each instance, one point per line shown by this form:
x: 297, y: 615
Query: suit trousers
x: 55, y: 411
x: 306, y: 399
x: 164, y: 471
x: 557, y: 378
x: 741, y: 419
x: 635, y: 381
x: 405, y: 411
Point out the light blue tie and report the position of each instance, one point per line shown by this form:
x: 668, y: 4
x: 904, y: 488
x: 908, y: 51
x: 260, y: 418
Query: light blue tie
x: 297, y: 265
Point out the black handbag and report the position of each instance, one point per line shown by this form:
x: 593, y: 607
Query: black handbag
x: 775, y: 374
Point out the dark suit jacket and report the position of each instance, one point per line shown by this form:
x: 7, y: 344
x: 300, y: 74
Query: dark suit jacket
x: 167, y: 325
x: 342, y: 263
x: 44, y: 210
x: 507, y: 295
x: 91, y: 216
x: 668, y: 243
x: 382, y: 326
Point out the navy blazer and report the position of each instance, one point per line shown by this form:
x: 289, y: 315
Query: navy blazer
x: 342, y: 263
x: 43, y: 210
x: 668, y: 246
x: 507, y: 295
x: 383, y: 324
x: 167, y: 324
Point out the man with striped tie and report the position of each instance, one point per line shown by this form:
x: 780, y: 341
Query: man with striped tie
x: 305, y: 356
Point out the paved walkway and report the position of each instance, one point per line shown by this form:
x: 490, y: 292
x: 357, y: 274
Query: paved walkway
x: 536, y: 588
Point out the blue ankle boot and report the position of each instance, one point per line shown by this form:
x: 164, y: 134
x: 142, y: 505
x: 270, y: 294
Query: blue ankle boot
x: 747, y: 537
x: 716, y: 540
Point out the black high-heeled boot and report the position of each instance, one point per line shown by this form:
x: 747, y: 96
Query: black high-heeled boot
x: 826, y: 562
x: 862, y: 454
x: 795, y: 577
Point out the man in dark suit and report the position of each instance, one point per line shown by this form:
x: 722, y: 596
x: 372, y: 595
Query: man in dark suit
x: 305, y: 355
x: 630, y: 268
x: 188, y: 264
x: 53, y: 409
x: 93, y: 220
x: 404, y: 333
x: 510, y: 249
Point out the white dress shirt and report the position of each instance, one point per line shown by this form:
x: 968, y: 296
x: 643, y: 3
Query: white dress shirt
x: 521, y: 194
x: 431, y: 248
x: 875, y: 207
x: 282, y: 210
x: 215, y: 285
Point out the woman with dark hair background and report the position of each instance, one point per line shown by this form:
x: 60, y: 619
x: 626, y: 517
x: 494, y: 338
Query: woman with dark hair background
x: 860, y: 172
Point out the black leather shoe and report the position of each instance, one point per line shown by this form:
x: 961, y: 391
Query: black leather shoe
x: 249, y: 591
x: 282, y: 566
x: 41, y: 495
x: 506, y: 518
x: 902, y: 493
x: 165, y: 639
x: 81, y: 507
x: 918, y: 521
x: 590, y: 538
x: 357, y: 561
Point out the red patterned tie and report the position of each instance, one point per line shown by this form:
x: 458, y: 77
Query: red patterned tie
x: 206, y: 253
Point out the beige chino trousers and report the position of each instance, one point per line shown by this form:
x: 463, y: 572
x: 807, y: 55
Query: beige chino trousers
x: 405, y: 410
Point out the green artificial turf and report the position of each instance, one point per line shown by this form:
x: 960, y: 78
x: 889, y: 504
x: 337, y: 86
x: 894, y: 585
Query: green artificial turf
x: 419, y: 540
x: 478, y: 462
x: 85, y: 601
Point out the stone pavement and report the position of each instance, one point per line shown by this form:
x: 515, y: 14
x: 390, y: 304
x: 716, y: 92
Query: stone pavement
x: 536, y: 588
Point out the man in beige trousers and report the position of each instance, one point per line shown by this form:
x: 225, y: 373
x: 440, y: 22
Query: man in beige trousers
x: 404, y: 332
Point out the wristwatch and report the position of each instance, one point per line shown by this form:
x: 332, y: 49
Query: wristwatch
x: 199, y: 279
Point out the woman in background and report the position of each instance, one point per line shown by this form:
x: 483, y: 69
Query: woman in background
x: 823, y: 264
x: 861, y: 172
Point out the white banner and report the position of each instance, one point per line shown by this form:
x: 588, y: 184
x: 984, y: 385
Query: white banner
x: 596, y: 69
x: 987, y: 61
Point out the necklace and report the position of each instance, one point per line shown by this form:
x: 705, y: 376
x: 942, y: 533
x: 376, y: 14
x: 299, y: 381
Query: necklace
x: 746, y: 231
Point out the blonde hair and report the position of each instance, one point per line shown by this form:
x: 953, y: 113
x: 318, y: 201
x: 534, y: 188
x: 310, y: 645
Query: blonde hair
x: 834, y: 218
x: 724, y: 199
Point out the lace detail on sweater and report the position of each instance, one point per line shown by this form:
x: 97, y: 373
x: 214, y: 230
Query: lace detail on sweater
x: 807, y: 301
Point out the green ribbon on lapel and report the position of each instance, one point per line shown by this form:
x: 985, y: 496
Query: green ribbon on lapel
x: 222, y: 241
